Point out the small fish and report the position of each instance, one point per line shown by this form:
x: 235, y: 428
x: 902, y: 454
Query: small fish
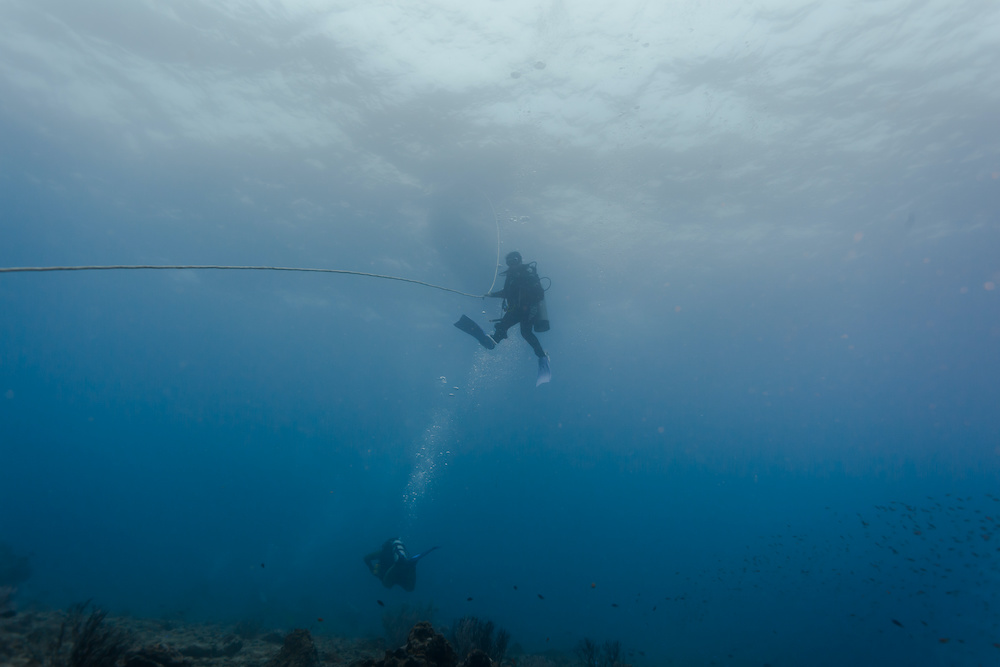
x: 593, y: 584
x: 468, y: 599
x: 614, y: 604
x: 320, y: 619
x: 515, y: 587
x: 262, y: 565
x: 944, y: 640
x: 380, y: 603
x: 541, y: 597
x: 895, y: 622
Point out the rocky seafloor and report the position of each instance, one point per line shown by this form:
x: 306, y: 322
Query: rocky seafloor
x: 78, y: 638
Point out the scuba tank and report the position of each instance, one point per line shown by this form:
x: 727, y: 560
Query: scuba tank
x: 529, y: 286
x: 541, y: 322
x: 540, y: 312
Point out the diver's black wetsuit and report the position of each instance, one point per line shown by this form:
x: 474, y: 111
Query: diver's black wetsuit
x: 522, y: 292
x: 393, y: 566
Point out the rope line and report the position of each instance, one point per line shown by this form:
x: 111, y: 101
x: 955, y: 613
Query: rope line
x: 133, y: 267
x: 496, y: 220
x: 220, y: 267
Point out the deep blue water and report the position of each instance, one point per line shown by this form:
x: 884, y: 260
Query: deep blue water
x: 772, y: 435
x: 739, y: 483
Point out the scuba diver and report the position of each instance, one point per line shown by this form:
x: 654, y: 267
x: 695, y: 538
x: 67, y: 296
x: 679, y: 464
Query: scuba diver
x: 393, y: 566
x: 524, y: 304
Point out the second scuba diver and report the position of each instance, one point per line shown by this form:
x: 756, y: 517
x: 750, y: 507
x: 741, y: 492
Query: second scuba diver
x: 393, y: 566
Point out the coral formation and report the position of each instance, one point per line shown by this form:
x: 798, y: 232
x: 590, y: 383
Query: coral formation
x: 424, y: 648
x: 397, y: 621
x: 477, y: 658
x: 95, y: 644
x: 297, y: 651
x: 589, y: 654
x: 35, y: 638
x: 471, y: 633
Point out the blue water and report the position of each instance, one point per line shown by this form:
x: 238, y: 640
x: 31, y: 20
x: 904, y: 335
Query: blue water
x: 772, y: 433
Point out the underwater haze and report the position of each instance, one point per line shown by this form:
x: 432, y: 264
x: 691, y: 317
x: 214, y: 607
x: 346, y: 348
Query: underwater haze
x: 770, y: 233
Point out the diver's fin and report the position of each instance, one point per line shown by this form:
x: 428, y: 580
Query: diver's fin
x: 474, y: 330
x: 544, y: 372
x: 414, y: 559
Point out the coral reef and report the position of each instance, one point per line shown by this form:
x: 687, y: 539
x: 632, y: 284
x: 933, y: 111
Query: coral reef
x: 297, y: 651
x: 76, y: 638
x: 551, y: 660
x: 424, y: 648
x: 477, y: 658
x: 45, y: 639
x: 589, y: 654
x: 470, y: 633
x: 427, y: 648
x: 397, y: 621
x: 95, y: 644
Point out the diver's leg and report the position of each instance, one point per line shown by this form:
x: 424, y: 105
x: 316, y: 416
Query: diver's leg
x: 408, y: 576
x: 500, y: 330
x: 529, y: 336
